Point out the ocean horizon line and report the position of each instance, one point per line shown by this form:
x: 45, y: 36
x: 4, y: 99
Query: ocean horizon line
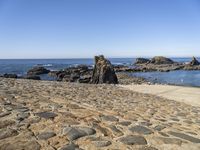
x: 93, y: 57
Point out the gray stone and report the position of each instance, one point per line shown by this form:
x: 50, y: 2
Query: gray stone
x: 3, y: 114
x: 22, y: 116
x: 133, y: 140
x: 140, y: 129
x: 8, y: 108
x: 23, y: 109
x: 87, y: 130
x: 71, y: 146
x: 110, y: 118
x: 74, y: 133
x: 145, y: 123
x: 159, y: 127
x: 116, y: 131
x: 125, y: 123
x: 5, y: 133
x: 103, y: 130
x: 102, y: 143
x: 7, y: 102
x: 185, y: 137
x: 46, y: 135
x: 46, y: 115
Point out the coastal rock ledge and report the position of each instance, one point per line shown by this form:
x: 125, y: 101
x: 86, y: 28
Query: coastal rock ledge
x: 38, y: 71
x: 103, y: 71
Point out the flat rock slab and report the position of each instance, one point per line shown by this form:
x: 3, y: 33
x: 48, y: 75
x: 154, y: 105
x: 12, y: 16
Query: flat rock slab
x: 46, y: 135
x: 141, y: 130
x: 46, y: 115
x: 74, y: 133
x: 133, y: 140
x: 185, y: 137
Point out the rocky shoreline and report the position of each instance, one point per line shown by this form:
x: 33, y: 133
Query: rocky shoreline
x: 104, y: 71
x: 51, y: 115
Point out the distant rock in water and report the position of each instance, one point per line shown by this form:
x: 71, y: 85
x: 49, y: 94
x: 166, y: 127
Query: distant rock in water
x: 194, y: 62
x: 158, y: 60
x: 142, y: 61
x: 103, y: 71
x: 38, y: 71
x: 10, y: 76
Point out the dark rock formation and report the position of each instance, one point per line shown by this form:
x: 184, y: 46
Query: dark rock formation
x: 80, y: 73
x: 84, y: 79
x: 38, y: 71
x: 32, y: 77
x: 10, y: 76
x: 158, y: 60
x: 194, y: 62
x: 142, y: 61
x: 103, y: 71
x: 123, y: 68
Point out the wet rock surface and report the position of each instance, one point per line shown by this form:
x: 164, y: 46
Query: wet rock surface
x: 56, y: 115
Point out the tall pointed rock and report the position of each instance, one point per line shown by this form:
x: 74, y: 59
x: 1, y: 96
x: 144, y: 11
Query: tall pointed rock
x: 103, y: 71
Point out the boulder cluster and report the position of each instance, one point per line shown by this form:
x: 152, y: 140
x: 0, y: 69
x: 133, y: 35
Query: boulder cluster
x: 80, y: 73
x: 157, y: 60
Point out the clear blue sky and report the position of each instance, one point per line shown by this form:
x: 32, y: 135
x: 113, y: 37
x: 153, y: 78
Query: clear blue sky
x: 84, y: 28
